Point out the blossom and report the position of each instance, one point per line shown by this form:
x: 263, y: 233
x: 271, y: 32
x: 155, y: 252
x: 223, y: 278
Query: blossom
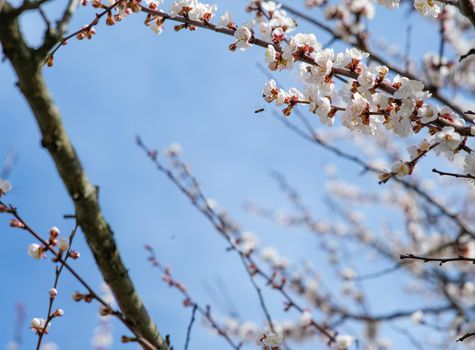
x: 390, y: 4
x: 408, y: 88
x: 428, y: 7
x: 300, y: 44
x: 269, y: 254
x: 347, y: 273
x: 248, y: 331
x: 38, y: 325
x: 225, y: 21
x: 63, y: 244
x: 417, y: 317
x: 153, y: 4
x: 427, y: 113
x: 248, y: 242
x: 306, y: 318
x: 202, y: 12
x: 448, y: 140
x: 343, y: 342
x: 272, y: 340
x: 401, y: 169
x: 416, y: 151
x: 5, y: 186
x: 469, y: 165
x: 366, y: 78
x: 271, y: 93
x: 182, y: 7
x: 270, y: 54
x: 243, y: 35
x: 173, y: 150
x: 36, y: 251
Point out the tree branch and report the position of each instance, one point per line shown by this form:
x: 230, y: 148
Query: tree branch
x: 27, y: 65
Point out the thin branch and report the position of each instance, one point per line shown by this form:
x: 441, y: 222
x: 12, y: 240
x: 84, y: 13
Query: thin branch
x: 58, y: 271
x: 222, y: 226
x: 190, y: 325
x: 444, y: 173
x: 441, y: 261
x: 22, y: 224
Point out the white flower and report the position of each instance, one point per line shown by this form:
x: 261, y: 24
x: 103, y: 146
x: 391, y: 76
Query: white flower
x: 270, y: 54
x: 269, y: 254
x: 409, y: 88
x: 53, y: 292
x: 416, y: 151
x: 248, y: 242
x: 469, y: 166
x: 428, y: 7
x: 427, y: 113
x: 38, y: 324
x: 448, y: 114
x: 243, y: 35
x: 35, y: 251
x: 357, y: 54
x: 156, y: 26
x: 202, y: 12
x: 248, y: 331
x: 5, y: 186
x: 181, y: 7
x: 301, y: 43
x: 347, y: 273
x: 343, y: 59
x: 173, y: 150
x: 270, y: 91
x: 225, y: 21
x: 390, y: 4
x: 273, y: 340
x: 153, y: 4
x: 54, y: 231
x: 400, y: 168
x: 343, y: 342
x: 306, y: 318
x: 63, y: 244
x: 366, y: 78
x: 417, y: 317
x: 448, y: 140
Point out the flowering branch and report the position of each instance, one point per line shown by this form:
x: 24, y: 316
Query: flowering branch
x: 188, y: 301
x: 38, y: 251
x: 41, y: 328
x: 227, y: 229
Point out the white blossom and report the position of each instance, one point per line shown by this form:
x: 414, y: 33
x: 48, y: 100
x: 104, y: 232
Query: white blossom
x: 35, y: 251
x: 343, y: 342
x: 5, y: 186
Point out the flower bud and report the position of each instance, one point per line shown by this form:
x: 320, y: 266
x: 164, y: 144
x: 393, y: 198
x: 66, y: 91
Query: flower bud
x: 63, y: 244
x: 58, y: 313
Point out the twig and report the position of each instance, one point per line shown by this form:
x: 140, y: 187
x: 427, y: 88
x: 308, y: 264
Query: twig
x: 58, y: 271
x: 444, y: 173
x: 188, y: 331
x: 441, y: 261
x: 57, y: 257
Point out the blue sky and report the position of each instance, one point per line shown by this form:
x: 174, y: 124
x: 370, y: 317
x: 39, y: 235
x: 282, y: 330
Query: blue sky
x: 184, y: 87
